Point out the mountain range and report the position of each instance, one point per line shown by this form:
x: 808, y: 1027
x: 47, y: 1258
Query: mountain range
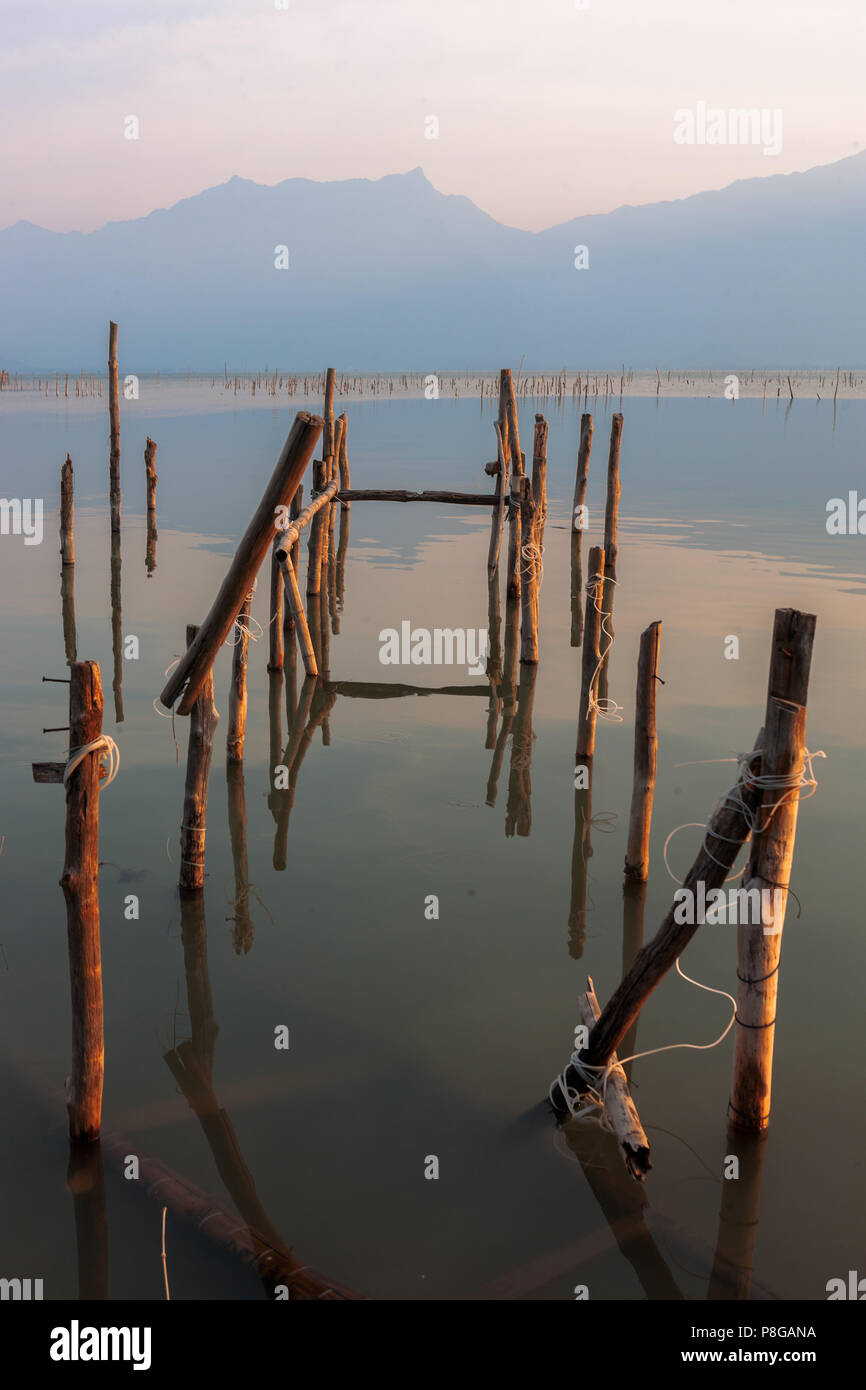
x: 391, y: 275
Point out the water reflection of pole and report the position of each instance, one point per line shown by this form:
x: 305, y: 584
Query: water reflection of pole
x: 633, y: 904
x: 518, y: 815
x: 67, y: 561
x: 623, y: 1203
x: 150, y: 481
x: 242, y: 934
x: 283, y: 798
x: 85, y: 1180
x: 508, y: 694
x: 738, y: 1218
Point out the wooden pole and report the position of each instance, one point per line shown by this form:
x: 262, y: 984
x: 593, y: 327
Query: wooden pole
x: 501, y: 496
x: 150, y: 482
x: 199, y: 658
x: 539, y: 476
x: 343, y: 462
x: 67, y: 539
x: 85, y: 1180
x: 759, y: 945
x: 517, y: 466
x: 727, y: 832
x: 645, y: 756
x: 202, y: 727
x: 581, y: 853
x: 80, y: 884
x: 314, y: 552
x: 611, y: 510
x: 305, y: 641
x: 342, y: 552
x: 116, y: 565
x: 508, y: 695
x: 518, y: 812
x: 587, y: 711
x: 515, y: 540
x: 731, y: 1276
x: 530, y: 569
x: 238, y: 688
x: 67, y: 611
x: 114, y: 425
x: 329, y: 443
x: 578, y: 527
x: 621, y: 1110
x: 276, y: 625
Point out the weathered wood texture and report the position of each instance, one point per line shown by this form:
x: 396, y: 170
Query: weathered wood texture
x: 371, y: 494
x: 645, y: 755
x: 621, y: 1109
x: 586, y: 715
x: 80, y: 884
x: 728, y: 831
x: 199, y: 658
x: 114, y: 428
x: 202, y: 727
x: 238, y: 689
x: 67, y: 507
x: 759, y: 945
x: 611, y: 510
x: 299, y: 617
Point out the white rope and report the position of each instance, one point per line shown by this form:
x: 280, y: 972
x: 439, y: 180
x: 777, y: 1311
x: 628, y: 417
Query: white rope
x: 109, y: 755
x: 606, y: 708
x: 804, y: 782
x: 533, y: 554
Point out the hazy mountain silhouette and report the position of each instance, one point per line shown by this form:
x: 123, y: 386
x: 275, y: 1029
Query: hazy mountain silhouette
x: 391, y: 274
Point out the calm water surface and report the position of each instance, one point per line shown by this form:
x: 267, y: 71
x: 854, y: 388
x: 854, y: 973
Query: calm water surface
x: 411, y: 1037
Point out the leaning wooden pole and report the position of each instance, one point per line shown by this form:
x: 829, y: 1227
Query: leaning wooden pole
x: 759, y: 944
x: 202, y: 727
x: 276, y: 625
x: 727, y: 832
x: 645, y: 756
x: 189, y: 676
x: 302, y: 631
x: 588, y: 708
x: 114, y: 426
x: 80, y: 884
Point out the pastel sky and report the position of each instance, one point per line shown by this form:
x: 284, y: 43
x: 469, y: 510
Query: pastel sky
x: 546, y: 109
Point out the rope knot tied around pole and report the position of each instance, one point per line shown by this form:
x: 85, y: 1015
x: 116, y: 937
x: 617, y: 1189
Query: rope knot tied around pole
x: 109, y: 758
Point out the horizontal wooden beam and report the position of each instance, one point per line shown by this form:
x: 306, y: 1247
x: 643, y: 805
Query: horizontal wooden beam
x: 372, y: 494
x: 393, y: 690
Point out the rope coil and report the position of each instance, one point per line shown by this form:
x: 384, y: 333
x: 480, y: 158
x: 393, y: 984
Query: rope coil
x: 109, y: 757
x: 604, y: 709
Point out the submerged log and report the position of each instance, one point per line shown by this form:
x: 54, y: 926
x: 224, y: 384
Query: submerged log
x: 199, y: 658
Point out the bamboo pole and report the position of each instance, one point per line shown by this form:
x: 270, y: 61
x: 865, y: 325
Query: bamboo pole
x: 759, y: 946
x: 611, y: 510
x: 319, y: 521
x: 198, y: 660
x: 202, y: 726
x: 276, y: 624
x: 80, y: 884
x: 305, y: 641
x: 587, y: 709
x: 114, y: 425
x: 67, y: 506
x: 238, y: 688
x: 645, y: 756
